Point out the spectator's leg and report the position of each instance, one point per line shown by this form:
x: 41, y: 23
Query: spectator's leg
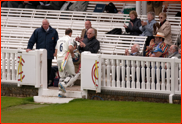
x: 45, y: 7
x: 158, y: 10
x: 5, y: 4
x: 21, y: 6
x: 150, y: 8
x: 49, y: 66
x: 30, y: 6
x: 12, y: 4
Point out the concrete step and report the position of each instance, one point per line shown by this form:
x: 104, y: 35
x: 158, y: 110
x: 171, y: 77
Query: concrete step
x: 47, y: 99
x: 53, y: 92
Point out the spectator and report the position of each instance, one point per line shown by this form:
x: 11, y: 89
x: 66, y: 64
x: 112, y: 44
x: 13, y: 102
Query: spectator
x: 53, y: 5
x: 165, y: 28
x: 135, y: 51
x: 90, y: 43
x: 29, y: 4
x: 147, y: 28
x: 150, y: 48
x: 134, y: 24
x: 154, y: 6
x: 161, y: 50
x: 179, y: 49
x: 88, y: 25
x: 178, y: 43
x: 11, y: 4
x: 45, y: 38
x: 173, y: 52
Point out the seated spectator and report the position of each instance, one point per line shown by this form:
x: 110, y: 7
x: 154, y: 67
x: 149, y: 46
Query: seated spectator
x: 53, y: 5
x: 29, y: 4
x: 165, y: 28
x: 90, y: 43
x: 178, y: 43
x: 179, y: 49
x: 134, y: 51
x: 88, y: 25
x: 161, y: 50
x: 134, y: 24
x: 11, y: 4
x: 150, y: 48
x: 173, y: 52
x: 147, y: 27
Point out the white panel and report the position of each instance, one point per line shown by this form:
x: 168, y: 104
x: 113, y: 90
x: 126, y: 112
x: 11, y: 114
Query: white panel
x: 89, y: 77
x: 28, y: 69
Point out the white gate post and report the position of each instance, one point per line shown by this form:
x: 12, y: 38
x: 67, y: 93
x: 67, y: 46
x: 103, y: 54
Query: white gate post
x: 138, y: 7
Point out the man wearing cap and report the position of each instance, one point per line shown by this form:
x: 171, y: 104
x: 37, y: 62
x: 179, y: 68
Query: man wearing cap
x: 161, y: 49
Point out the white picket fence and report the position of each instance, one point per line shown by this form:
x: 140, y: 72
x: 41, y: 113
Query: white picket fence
x: 116, y: 72
x: 137, y: 74
x: 9, y: 67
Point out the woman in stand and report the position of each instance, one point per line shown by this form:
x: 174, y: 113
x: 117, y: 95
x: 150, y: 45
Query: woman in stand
x: 134, y: 24
x: 165, y: 28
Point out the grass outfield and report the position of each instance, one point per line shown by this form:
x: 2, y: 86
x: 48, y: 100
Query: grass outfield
x: 24, y: 110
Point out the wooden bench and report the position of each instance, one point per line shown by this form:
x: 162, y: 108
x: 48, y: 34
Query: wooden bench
x: 76, y: 26
x: 172, y: 9
x: 116, y: 44
x: 75, y: 15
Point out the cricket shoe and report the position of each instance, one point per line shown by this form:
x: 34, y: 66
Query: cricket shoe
x: 62, y: 87
x: 73, y: 79
x: 61, y: 96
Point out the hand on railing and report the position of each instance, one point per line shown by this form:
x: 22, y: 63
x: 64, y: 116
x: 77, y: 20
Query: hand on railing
x: 27, y: 50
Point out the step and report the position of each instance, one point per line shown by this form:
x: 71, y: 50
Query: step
x: 71, y: 92
x: 47, y: 99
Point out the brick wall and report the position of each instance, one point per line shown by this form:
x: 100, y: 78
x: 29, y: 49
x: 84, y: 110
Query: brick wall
x: 132, y: 96
x: 9, y: 89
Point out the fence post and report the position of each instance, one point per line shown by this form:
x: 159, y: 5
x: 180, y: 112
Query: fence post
x: 37, y: 65
x: 8, y: 65
x: 173, y: 75
x: 3, y: 66
x: 13, y: 67
x: 43, y: 68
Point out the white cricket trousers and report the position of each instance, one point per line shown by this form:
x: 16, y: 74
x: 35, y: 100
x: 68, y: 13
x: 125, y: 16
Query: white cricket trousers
x: 69, y: 68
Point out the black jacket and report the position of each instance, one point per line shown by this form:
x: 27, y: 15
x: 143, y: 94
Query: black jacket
x: 44, y: 40
x: 134, y: 30
x: 92, y: 45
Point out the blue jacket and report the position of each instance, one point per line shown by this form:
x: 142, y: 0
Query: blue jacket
x: 44, y: 40
x: 147, y: 29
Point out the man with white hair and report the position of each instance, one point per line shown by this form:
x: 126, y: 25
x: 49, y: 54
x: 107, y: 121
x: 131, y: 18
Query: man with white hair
x: 45, y: 37
x: 90, y: 43
x: 134, y: 51
x: 173, y: 52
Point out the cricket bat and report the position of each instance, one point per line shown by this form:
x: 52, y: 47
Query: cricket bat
x: 65, y: 60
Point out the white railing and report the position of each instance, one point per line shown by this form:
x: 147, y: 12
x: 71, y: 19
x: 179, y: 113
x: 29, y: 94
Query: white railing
x: 76, y: 15
x: 34, y: 67
x: 138, y: 74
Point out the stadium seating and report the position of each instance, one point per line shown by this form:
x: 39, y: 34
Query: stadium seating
x: 172, y: 9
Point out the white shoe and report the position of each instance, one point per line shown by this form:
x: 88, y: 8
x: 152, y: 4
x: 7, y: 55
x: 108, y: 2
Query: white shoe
x: 72, y: 80
x: 62, y: 87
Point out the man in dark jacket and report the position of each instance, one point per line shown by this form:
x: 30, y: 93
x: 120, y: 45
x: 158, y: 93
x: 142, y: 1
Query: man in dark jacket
x: 45, y: 38
x: 90, y: 43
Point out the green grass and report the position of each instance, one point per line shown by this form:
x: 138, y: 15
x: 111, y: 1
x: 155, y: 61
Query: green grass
x: 24, y: 110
